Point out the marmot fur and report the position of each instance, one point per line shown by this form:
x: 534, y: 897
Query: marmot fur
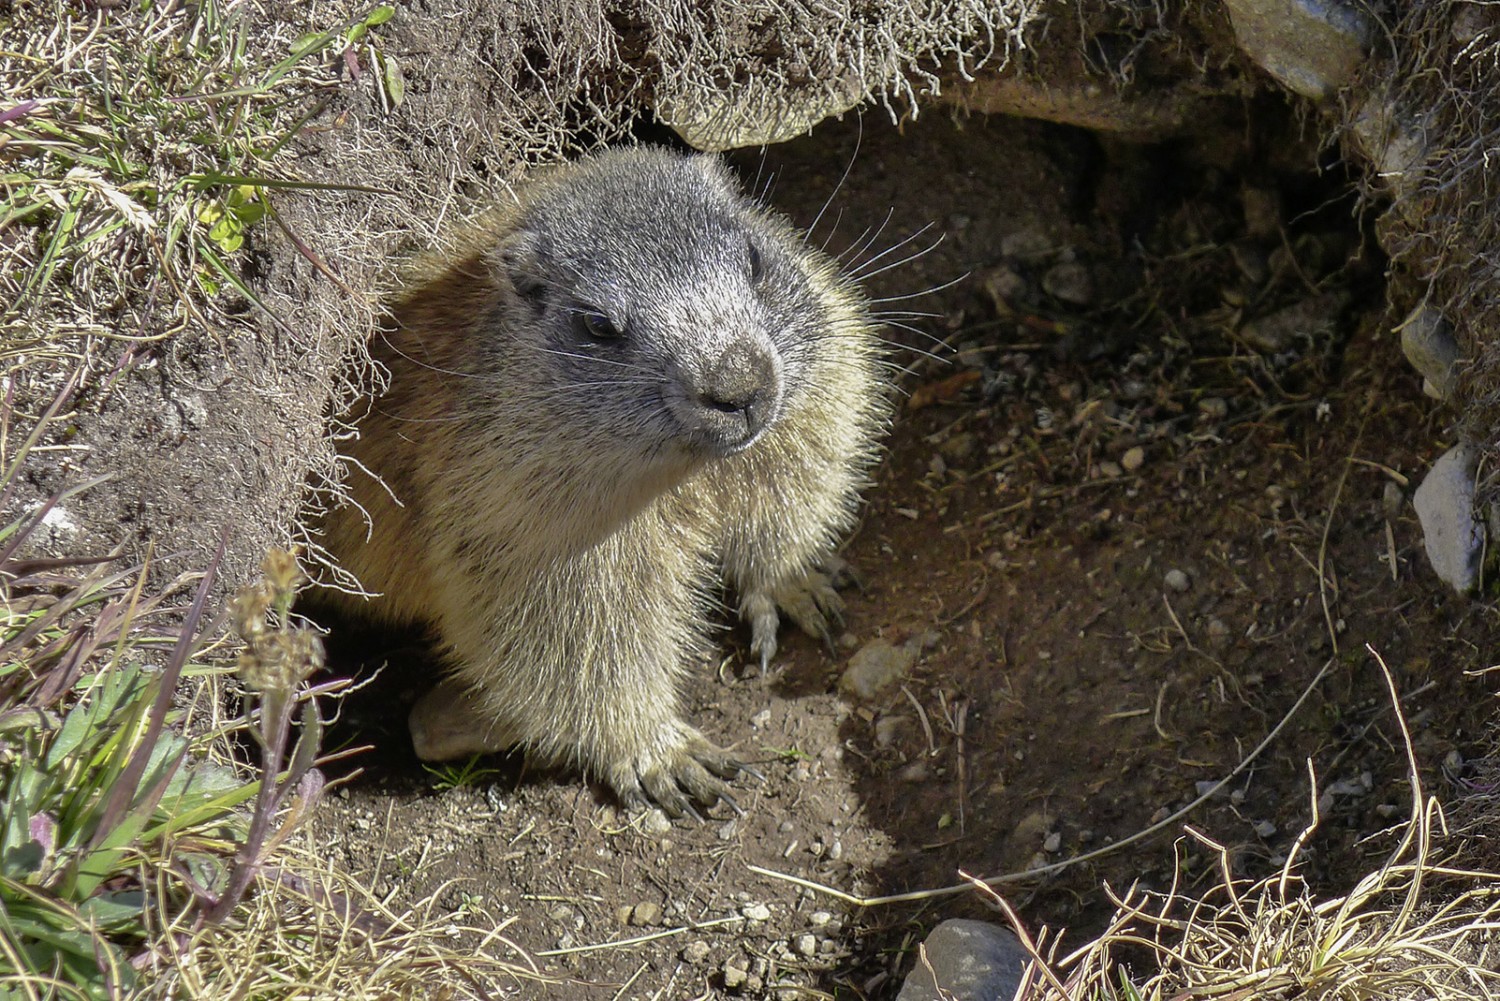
x: 603, y: 399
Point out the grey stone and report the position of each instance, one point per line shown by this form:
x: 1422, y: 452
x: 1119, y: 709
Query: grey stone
x: 1451, y: 531
x: 1392, y: 141
x: 1428, y: 343
x: 875, y: 667
x: 972, y: 960
x: 1299, y: 322
x: 1312, y: 47
x: 756, y: 912
x: 1071, y: 282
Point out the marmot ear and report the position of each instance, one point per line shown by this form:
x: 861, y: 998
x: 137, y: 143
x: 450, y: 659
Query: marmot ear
x: 517, y: 264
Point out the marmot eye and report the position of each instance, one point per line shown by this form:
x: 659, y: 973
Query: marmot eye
x: 757, y: 266
x: 597, y: 325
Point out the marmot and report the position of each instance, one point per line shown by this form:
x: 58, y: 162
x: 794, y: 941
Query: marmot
x: 629, y: 384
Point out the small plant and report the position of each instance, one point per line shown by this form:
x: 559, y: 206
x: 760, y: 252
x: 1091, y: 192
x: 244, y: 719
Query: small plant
x: 106, y: 815
x: 460, y: 775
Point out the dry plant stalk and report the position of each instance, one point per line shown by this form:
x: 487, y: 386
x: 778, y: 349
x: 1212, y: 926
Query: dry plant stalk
x: 1391, y: 936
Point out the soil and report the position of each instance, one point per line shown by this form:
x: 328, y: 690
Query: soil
x: 1149, y: 488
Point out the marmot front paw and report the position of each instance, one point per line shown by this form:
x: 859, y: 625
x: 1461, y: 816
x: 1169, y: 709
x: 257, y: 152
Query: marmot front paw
x: 680, y: 771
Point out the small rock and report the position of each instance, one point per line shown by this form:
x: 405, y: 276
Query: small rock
x: 735, y: 977
x: 645, y: 914
x: 1071, y: 282
x: 887, y: 729
x: 623, y: 913
x: 916, y: 771
x: 967, y: 959
x: 1218, y: 633
x: 959, y: 447
x: 1213, y: 407
x: 1109, y: 469
x: 1451, y: 533
x: 655, y: 823
x: 875, y: 667
x: 1302, y: 321
x: 819, y: 918
x: 1264, y: 828
x: 1391, y: 501
x: 695, y: 951
x: 1177, y: 581
x: 1312, y: 47
x: 1428, y: 343
x: 760, y: 719
x: 1026, y: 243
x: 1031, y: 828
x: 805, y: 945
x: 756, y: 912
x: 835, y: 850
x: 1133, y: 459
x: 1005, y: 288
x: 1052, y: 843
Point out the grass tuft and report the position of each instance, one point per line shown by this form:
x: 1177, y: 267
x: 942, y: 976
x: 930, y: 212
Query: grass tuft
x: 139, y: 148
x: 1418, y: 927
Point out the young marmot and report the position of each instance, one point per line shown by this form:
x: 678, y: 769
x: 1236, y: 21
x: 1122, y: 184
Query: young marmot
x: 601, y: 399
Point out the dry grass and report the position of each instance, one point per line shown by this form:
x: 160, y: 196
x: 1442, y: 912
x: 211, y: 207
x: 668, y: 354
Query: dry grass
x: 139, y: 144
x: 1416, y: 928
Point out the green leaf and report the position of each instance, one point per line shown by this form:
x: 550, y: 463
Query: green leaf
x: 308, y: 42
x: 117, y: 911
x: 380, y: 15
x: 395, y: 80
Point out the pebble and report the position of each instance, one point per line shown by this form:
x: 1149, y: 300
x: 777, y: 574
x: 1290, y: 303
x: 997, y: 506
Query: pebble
x: 1026, y: 243
x: 887, y: 729
x: 1177, y: 581
x: 1427, y: 341
x: 645, y: 914
x: 1110, y: 469
x: 1264, y: 828
x: 1213, y: 406
x: 1218, y: 633
x: 1052, y: 843
x: 735, y: 977
x: 875, y: 667
x: 1392, y: 500
x: 959, y: 447
x: 819, y: 918
x: 1071, y: 282
x: 1133, y: 459
x: 1282, y: 329
x: 695, y: 951
x: 756, y: 912
x: 967, y: 959
x: 1031, y: 828
x: 655, y: 823
x: 805, y: 945
x: 1005, y: 288
x: 1451, y: 533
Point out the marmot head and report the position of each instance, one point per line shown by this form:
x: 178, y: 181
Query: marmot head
x: 672, y: 316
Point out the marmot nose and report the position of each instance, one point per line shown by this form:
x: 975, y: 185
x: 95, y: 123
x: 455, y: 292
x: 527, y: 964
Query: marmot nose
x: 739, y: 392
